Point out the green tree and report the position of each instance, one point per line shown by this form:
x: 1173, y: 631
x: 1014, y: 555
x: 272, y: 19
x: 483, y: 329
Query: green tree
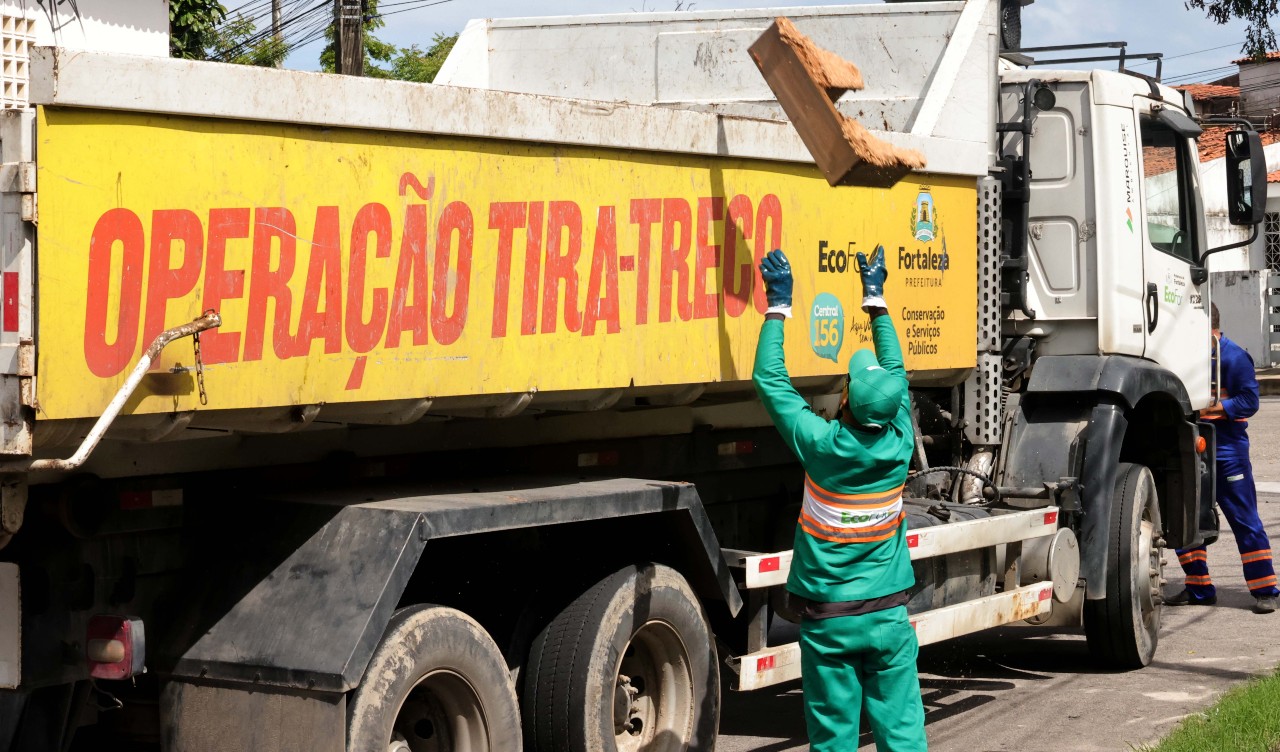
x: 415, y: 64
x: 191, y: 27
x: 237, y: 40
x: 1259, y: 38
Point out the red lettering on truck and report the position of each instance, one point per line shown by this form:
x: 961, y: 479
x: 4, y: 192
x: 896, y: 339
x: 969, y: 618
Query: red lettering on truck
x: 706, y: 256
x: 165, y: 281
x: 108, y: 357
x: 222, y: 345
x: 410, y: 309
x: 273, y: 226
x: 604, y: 272
x: 372, y: 227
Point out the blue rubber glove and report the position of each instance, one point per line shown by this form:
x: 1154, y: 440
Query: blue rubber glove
x: 776, y: 272
x: 873, y: 275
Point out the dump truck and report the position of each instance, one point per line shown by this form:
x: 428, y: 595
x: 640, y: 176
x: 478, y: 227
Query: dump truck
x: 362, y: 415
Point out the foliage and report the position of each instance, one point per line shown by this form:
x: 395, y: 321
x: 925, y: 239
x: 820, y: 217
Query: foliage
x: 238, y: 41
x: 191, y: 27
x: 415, y: 64
x: 1260, y: 38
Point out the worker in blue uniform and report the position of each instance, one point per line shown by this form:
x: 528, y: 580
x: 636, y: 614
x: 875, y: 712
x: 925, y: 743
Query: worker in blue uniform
x: 1237, y: 496
x: 850, y: 569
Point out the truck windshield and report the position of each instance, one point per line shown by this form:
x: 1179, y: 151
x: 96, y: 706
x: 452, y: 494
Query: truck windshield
x: 1166, y: 183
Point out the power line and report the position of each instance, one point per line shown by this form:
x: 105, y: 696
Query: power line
x: 417, y: 5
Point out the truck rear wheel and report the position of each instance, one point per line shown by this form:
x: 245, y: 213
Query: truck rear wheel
x: 436, y: 683
x: 1124, y: 628
x: 629, y: 666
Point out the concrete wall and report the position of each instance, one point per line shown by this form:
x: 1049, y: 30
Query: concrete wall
x: 1260, y: 88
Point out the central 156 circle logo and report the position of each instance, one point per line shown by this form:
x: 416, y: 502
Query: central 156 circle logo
x: 826, y: 326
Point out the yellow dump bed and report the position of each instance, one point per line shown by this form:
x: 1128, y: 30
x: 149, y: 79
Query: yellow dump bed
x: 372, y: 241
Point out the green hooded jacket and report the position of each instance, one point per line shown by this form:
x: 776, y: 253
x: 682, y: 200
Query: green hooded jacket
x: 842, y: 461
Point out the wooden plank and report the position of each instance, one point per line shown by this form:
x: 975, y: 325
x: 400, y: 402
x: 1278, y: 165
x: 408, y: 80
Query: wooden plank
x: 807, y: 81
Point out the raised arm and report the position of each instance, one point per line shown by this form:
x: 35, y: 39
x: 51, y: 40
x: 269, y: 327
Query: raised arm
x: 800, y: 428
x: 883, y: 334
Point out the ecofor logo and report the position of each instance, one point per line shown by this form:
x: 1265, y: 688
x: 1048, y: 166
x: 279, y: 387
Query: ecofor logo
x: 826, y: 326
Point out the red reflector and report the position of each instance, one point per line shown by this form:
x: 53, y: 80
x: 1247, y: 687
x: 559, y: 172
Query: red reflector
x: 915, y: 625
x: 766, y: 663
x: 1046, y: 593
x: 735, y: 448
x: 771, y: 564
x: 598, y: 459
x: 1050, y: 518
x: 115, y: 647
x: 913, y: 540
x: 10, y: 301
x: 130, y: 500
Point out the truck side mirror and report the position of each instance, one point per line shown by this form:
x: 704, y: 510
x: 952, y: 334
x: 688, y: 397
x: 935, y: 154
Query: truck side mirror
x: 1246, y: 177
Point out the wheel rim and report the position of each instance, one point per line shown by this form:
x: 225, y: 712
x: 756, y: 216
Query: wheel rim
x: 442, y: 713
x: 1148, y: 567
x: 653, y: 696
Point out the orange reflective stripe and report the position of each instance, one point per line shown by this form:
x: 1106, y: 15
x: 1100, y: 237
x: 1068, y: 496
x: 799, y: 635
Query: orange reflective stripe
x: 852, y: 501
x: 1193, y: 556
x: 806, y: 517
x: 1261, y: 582
x: 1253, y: 556
x: 1199, y: 579
x: 851, y: 535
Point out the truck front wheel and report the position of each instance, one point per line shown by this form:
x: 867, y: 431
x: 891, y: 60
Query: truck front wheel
x: 629, y: 666
x: 436, y: 683
x: 1124, y: 628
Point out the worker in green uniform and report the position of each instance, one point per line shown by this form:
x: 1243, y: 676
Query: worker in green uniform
x: 850, y: 570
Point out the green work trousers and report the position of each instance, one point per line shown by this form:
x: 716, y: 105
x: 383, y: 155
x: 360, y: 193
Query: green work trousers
x: 851, y: 662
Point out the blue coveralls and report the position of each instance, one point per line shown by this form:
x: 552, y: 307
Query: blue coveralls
x: 1237, y: 497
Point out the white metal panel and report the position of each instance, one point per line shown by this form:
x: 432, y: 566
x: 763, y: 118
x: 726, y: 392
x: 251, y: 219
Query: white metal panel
x: 768, y: 570
x: 10, y: 627
x: 929, y: 67
x: 200, y: 89
x: 782, y: 663
x: 138, y: 28
x: 1118, y: 183
x: 1061, y: 240
x: 983, y: 613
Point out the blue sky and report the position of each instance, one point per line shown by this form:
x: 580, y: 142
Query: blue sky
x: 1147, y: 25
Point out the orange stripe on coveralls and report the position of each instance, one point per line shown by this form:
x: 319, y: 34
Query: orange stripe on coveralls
x: 1193, y: 556
x: 853, y: 535
x: 854, y: 501
x: 1253, y: 556
x: 1261, y: 582
x: 1199, y: 579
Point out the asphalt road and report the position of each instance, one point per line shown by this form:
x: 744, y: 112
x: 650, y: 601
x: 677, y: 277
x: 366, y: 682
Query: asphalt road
x: 1022, y: 689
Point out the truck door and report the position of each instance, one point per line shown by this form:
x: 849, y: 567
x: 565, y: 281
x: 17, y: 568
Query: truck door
x: 1175, y: 322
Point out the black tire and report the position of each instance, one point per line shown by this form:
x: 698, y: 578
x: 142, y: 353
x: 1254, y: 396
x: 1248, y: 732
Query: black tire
x: 1123, y: 629
x: 436, y: 683
x: 629, y: 666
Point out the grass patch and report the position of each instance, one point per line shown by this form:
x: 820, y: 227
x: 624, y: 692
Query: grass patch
x: 1246, y: 719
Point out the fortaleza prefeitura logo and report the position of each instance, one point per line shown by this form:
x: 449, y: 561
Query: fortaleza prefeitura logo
x: 926, y: 228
